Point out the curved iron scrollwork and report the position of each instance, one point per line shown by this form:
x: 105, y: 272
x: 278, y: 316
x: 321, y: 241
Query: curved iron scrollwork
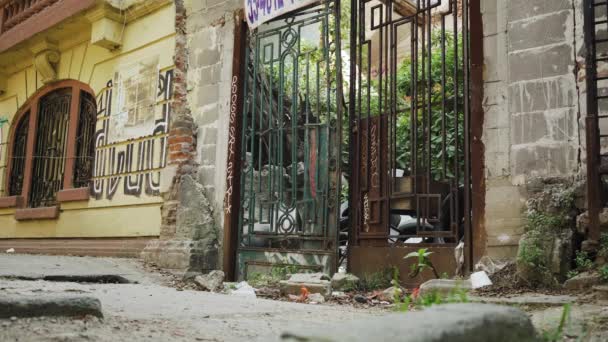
x: 18, y: 156
x: 84, y: 140
x: 51, y: 142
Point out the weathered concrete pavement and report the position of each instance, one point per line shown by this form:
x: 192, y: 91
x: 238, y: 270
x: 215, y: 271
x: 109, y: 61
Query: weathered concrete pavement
x: 148, y: 311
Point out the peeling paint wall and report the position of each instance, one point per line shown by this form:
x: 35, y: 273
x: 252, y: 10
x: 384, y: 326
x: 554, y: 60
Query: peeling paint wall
x: 531, y: 105
x: 125, y: 196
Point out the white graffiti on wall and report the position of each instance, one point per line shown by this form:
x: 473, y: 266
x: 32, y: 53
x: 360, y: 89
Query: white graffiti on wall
x: 231, y: 144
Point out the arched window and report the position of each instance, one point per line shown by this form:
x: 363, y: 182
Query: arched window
x: 51, y: 149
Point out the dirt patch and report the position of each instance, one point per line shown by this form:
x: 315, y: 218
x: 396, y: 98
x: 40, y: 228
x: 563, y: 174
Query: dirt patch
x: 506, y: 282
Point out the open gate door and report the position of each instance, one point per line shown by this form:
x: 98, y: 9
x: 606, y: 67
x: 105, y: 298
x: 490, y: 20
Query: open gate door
x: 290, y: 144
x: 409, y: 131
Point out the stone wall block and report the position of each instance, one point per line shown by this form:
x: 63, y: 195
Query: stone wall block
x: 543, y: 160
x: 522, y: 9
x: 539, y: 31
x: 541, y: 95
x: 540, y: 63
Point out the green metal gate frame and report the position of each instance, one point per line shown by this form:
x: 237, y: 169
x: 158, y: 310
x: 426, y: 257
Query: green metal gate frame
x: 290, y: 144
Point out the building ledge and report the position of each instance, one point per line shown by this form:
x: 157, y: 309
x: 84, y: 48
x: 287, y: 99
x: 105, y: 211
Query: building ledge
x: 73, y: 195
x: 42, y: 213
x: 123, y: 247
x: 25, y: 22
x: 11, y: 202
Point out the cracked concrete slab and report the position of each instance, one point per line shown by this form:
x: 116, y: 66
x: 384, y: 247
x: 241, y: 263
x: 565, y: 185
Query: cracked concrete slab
x: 68, y: 268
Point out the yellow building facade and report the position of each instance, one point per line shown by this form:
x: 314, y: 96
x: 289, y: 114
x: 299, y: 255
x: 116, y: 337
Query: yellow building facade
x: 122, y: 54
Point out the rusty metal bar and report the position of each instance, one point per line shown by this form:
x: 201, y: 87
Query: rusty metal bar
x: 476, y: 148
x: 591, y: 126
x: 233, y: 168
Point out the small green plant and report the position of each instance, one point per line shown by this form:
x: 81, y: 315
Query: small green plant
x: 531, y: 250
x: 572, y: 274
x: 558, y: 333
x: 603, y: 251
x: 276, y: 274
x: 604, y: 273
x: 583, y: 262
x: 415, y: 301
x: 377, y: 280
x: 423, y: 262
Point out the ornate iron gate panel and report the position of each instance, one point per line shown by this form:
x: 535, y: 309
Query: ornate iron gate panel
x: 409, y: 130
x: 18, y: 156
x: 85, y: 142
x: 49, y: 152
x: 290, y: 144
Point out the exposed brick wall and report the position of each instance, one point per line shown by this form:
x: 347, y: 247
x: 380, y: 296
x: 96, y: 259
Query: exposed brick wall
x: 182, y: 132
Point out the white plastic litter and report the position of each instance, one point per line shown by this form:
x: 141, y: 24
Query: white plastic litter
x: 244, y: 289
x: 10, y: 250
x: 480, y: 279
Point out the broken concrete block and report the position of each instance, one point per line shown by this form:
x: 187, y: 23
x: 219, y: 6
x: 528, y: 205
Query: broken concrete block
x: 316, y: 298
x: 313, y: 282
x: 212, y: 281
x: 344, y: 282
x: 452, y: 322
x: 444, y: 286
x: 582, y: 281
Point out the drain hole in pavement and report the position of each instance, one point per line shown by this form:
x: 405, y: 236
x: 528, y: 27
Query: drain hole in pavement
x: 95, y: 279
x: 85, y: 279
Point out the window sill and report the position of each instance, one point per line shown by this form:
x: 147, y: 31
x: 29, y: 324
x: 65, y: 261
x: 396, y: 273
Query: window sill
x: 11, y: 202
x: 41, y: 213
x: 73, y: 195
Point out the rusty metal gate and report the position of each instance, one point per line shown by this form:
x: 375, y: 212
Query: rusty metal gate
x: 289, y: 183
x: 409, y: 121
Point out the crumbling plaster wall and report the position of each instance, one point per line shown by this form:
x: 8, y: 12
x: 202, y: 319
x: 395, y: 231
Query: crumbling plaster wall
x: 210, y: 28
x: 532, y: 104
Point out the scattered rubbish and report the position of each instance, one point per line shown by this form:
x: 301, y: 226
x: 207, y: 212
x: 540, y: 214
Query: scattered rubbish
x: 244, y: 289
x: 339, y: 295
x: 360, y: 299
x: 304, y: 293
x: 489, y: 265
x: 480, y: 279
x: 10, y: 250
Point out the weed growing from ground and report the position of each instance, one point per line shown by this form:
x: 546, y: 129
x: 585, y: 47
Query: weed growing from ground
x: 603, y: 251
x: 604, y: 273
x: 558, y: 333
x: 377, y: 280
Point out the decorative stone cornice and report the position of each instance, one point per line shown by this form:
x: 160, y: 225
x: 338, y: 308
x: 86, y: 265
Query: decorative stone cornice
x: 46, y: 57
x: 107, y: 26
